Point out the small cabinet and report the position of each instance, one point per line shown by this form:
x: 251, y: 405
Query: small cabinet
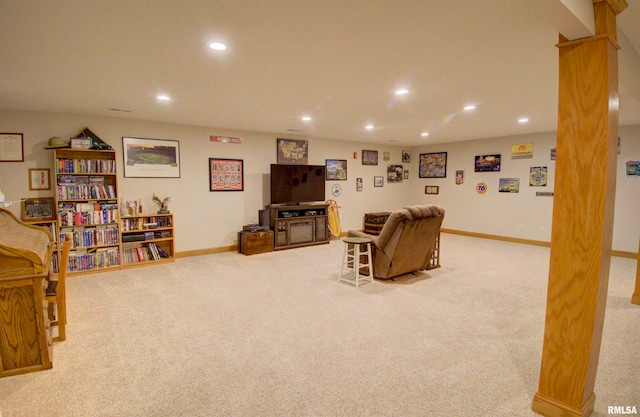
x: 251, y: 243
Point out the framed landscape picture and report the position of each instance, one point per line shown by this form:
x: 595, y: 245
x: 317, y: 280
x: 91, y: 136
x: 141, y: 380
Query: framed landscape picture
x: 336, y: 169
x: 151, y: 158
x: 433, y: 165
x: 226, y: 174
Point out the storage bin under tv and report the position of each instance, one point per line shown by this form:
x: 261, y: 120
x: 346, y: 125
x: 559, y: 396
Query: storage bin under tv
x: 298, y: 225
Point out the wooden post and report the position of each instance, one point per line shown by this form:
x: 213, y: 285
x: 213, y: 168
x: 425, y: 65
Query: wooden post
x: 635, y: 298
x: 583, y: 211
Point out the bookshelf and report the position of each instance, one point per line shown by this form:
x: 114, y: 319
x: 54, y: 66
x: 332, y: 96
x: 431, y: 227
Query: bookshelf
x: 147, y: 239
x: 86, y: 200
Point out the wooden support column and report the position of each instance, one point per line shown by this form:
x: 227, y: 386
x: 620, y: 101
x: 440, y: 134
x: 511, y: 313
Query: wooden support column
x: 635, y: 298
x: 583, y: 211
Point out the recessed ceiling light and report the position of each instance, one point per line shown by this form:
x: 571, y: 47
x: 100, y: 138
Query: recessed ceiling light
x: 523, y: 120
x: 469, y: 107
x: 306, y: 118
x: 424, y: 134
x: 402, y: 91
x: 163, y: 97
x: 368, y: 127
x: 218, y: 46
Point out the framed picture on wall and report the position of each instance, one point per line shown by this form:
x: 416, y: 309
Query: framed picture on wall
x: 226, y: 174
x: 37, y: 209
x: 369, y: 157
x: 433, y: 165
x: 151, y: 158
x: 39, y: 179
x: 378, y: 181
x: 292, y: 151
x: 11, y: 147
x: 336, y: 169
x: 487, y: 163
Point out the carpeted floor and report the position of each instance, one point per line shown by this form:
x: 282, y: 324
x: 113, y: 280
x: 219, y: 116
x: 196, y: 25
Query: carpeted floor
x: 275, y: 335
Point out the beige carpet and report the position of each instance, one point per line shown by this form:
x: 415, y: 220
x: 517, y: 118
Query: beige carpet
x: 276, y: 335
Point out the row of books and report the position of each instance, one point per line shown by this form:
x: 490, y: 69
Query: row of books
x: 142, y: 253
x: 141, y: 223
x: 88, y: 218
x: 81, y: 260
x: 67, y: 165
x: 94, y: 236
x: 85, y: 192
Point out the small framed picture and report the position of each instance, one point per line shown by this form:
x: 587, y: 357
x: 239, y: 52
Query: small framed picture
x: 406, y: 157
x: 369, y: 157
x: 432, y: 189
x: 336, y: 169
x: 292, y: 151
x: 378, y: 181
x: 39, y: 179
x: 11, y: 147
x: 37, y: 209
x: 226, y: 174
x: 433, y: 165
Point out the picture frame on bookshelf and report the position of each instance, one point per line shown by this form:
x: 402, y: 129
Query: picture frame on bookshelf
x: 39, y: 179
x: 151, y: 158
x: 226, y: 174
x: 11, y: 147
x: 292, y: 151
x: 433, y: 165
x: 34, y: 209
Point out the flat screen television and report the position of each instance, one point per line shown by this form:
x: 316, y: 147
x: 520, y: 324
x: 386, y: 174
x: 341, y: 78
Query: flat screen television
x: 294, y: 184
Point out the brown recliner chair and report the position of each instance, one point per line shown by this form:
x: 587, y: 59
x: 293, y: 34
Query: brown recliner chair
x: 407, y: 241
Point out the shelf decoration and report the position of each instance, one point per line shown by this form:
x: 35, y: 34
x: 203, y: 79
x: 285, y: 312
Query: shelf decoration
x: 151, y: 158
x: 163, y: 204
x: 226, y: 174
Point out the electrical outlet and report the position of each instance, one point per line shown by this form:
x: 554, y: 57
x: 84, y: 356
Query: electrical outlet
x: 520, y: 227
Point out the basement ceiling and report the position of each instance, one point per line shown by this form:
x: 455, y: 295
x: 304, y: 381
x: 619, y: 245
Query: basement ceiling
x: 337, y: 62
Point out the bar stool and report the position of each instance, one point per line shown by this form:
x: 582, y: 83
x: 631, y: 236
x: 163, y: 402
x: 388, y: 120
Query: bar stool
x: 353, y: 265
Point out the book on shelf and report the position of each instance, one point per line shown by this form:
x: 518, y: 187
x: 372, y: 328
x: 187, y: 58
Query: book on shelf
x: 52, y: 287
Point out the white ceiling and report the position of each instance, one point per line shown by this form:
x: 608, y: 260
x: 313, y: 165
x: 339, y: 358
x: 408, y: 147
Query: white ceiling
x: 338, y: 61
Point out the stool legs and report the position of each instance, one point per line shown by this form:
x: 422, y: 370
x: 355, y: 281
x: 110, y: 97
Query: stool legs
x: 353, y: 263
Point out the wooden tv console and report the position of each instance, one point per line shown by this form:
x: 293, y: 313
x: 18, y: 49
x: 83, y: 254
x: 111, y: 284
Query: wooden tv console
x: 299, y: 225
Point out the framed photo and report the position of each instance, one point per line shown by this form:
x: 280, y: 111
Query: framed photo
x: 433, y: 165
x: 11, y: 147
x: 369, y: 157
x: 538, y: 176
x: 378, y: 181
x: 38, y: 209
x: 151, y: 158
x: 359, y: 184
x: 39, y: 179
x: 226, y: 174
x: 394, y: 173
x: 292, y: 151
x: 406, y: 157
x: 509, y: 185
x: 432, y: 189
x: 336, y: 169
x: 484, y: 163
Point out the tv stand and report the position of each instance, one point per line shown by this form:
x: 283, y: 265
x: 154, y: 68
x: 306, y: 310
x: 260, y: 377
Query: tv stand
x: 298, y: 225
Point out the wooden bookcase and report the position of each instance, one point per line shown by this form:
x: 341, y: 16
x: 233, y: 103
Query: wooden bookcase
x: 147, y: 239
x: 86, y: 200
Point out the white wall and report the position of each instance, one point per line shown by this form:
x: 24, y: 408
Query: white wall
x: 523, y: 214
x: 205, y: 219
